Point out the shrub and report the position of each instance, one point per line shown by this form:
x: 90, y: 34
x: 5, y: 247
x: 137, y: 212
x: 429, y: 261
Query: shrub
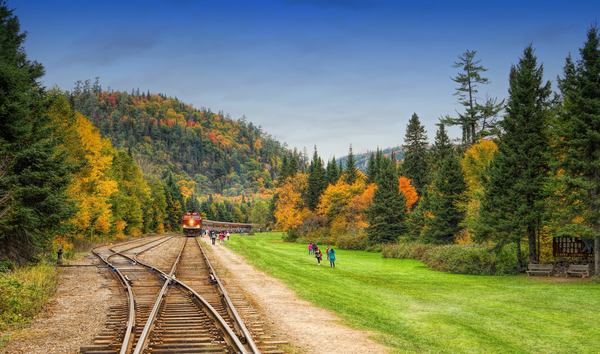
x: 290, y: 236
x: 461, y: 259
x: 352, y: 242
x: 23, y: 293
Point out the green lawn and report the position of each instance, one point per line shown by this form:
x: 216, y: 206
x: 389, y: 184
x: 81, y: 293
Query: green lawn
x: 416, y: 309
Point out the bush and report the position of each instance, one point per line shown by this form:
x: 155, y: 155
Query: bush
x: 352, y: 242
x: 461, y: 259
x: 290, y: 236
x: 23, y: 293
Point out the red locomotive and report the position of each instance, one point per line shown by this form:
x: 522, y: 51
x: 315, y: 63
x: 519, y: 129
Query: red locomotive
x: 193, y: 224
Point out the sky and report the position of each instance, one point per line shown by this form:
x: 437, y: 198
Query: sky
x: 324, y: 73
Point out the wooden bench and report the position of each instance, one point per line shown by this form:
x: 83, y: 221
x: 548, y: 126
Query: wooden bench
x: 540, y: 268
x: 583, y: 270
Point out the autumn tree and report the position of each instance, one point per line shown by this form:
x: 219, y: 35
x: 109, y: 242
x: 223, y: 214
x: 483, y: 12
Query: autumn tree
x: 290, y: 209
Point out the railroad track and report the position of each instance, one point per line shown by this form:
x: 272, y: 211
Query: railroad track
x: 183, y: 309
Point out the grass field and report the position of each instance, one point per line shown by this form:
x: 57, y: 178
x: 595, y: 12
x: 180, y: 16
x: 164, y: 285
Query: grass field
x: 415, y: 309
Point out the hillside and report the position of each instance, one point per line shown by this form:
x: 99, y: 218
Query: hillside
x: 220, y: 154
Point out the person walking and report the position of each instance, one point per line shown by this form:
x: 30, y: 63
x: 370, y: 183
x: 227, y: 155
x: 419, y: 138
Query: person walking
x: 221, y: 237
x: 318, y: 256
x: 332, y: 258
x: 227, y: 235
x: 213, y: 236
x: 310, y: 248
x: 327, y: 252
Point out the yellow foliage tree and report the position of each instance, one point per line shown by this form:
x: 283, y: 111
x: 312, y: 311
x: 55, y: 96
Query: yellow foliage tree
x: 343, y: 205
x: 289, y: 209
x: 90, y: 187
x: 474, y: 163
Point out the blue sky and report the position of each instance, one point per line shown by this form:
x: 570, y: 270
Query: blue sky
x: 328, y: 73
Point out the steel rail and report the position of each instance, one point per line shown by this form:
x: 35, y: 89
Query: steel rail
x: 128, y: 338
x: 150, y: 322
x: 228, y: 334
x: 239, y: 323
x: 230, y: 337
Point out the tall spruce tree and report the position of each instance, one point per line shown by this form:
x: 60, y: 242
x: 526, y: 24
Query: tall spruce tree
x: 415, y: 154
x: 316, y: 182
x: 448, y: 185
x: 350, y: 172
x: 36, y: 171
x: 387, y: 213
x: 514, y: 198
x: 578, y: 145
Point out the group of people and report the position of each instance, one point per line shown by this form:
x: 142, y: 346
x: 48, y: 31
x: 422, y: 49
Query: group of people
x: 213, y: 234
x: 330, y: 252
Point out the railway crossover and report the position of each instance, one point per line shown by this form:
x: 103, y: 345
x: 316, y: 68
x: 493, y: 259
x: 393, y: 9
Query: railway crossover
x: 171, y: 301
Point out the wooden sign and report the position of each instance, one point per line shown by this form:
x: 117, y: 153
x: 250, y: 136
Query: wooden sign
x: 573, y: 247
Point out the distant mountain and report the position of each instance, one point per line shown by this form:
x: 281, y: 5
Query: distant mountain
x: 363, y: 159
x: 164, y: 135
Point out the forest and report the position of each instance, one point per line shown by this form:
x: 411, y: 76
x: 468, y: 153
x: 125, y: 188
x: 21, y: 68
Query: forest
x: 92, y: 165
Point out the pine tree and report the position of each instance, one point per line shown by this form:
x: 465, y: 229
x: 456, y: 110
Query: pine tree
x: 415, y: 154
x: 350, y: 172
x: 514, y: 197
x: 34, y: 184
x: 284, y: 170
x: 476, y: 114
x: 387, y: 213
x: 333, y: 172
x: 371, y: 168
x: 578, y: 144
x: 448, y: 185
x: 316, y: 182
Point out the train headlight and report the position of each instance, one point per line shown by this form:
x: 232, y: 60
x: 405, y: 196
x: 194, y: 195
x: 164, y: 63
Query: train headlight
x: 192, y: 222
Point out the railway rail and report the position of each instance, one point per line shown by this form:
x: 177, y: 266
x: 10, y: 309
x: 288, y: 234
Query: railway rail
x: 181, y: 308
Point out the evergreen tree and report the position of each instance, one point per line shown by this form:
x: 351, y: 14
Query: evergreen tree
x: 578, y: 145
x: 387, y: 213
x: 449, y: 184
x: 316, y: 182
x: 33, y: 203
x: 350, y: 172
x: 332, y: 171
x: 442, y: 148
x: 415, y: 154
x: 514, y: 197
x: 292, y: 167
x: 284, y: 170
x: 476, y: 114
x: 371, y: 168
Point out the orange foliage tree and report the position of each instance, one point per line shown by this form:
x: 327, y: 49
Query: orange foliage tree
x: 409, y: 191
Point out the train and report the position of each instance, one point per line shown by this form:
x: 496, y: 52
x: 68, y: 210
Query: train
x: 193, y: 224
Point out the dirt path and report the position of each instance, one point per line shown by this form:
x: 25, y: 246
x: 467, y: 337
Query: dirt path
x: 73, y: 318
x: 312, y: 329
